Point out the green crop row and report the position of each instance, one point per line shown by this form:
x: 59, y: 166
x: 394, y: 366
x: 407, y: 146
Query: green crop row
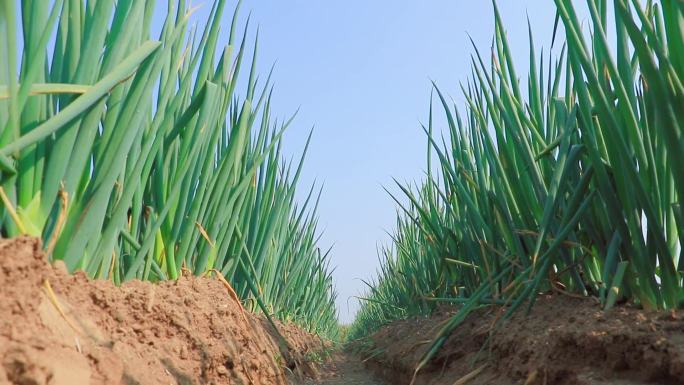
x: 570, y: 183
x: 136, y: 157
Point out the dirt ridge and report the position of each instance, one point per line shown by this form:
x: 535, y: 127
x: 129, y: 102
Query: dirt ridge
x: 188, y: 331
x: 566, y: 341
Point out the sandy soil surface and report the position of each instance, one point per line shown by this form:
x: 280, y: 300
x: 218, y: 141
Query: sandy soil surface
x: 564, y: 341
x: 345, y: 369
x: 185, y: 332
x: 192, y: 332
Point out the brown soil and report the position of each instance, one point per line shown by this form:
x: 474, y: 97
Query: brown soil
x: 563, y: 341
x: 185, y: 332
x: 345, y: 369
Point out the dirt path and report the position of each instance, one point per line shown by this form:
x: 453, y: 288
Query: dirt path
x: 344, y: 369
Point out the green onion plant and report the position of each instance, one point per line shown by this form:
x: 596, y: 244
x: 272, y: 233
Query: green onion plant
x: 140, y: 157
x: 571, y: 182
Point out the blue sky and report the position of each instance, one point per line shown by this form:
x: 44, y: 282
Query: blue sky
x: 360, y: 73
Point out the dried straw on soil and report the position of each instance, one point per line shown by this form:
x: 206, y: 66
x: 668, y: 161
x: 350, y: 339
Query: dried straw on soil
x: 185, y: 332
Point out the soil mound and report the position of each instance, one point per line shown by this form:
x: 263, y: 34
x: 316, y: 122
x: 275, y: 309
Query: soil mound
x: 188, y: 331
x: 564, y: 341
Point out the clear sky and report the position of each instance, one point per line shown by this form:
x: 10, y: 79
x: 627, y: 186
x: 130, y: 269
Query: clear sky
x: 360, y: 70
